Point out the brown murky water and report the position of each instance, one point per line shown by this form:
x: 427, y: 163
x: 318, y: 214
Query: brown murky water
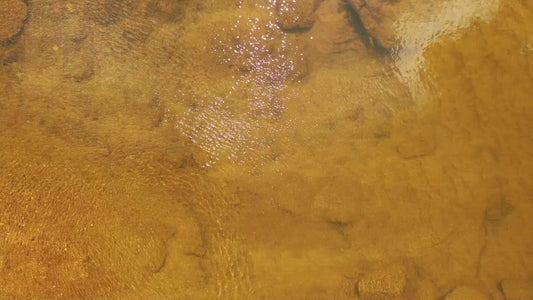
x: 328, y: 149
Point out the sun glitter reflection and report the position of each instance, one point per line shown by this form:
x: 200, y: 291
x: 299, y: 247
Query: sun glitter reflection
x: 264, y: 60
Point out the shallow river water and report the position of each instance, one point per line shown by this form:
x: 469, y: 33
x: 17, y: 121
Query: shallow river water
x: 266, y: 149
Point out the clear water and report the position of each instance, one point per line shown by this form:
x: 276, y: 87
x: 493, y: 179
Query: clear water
x: 165, y: 149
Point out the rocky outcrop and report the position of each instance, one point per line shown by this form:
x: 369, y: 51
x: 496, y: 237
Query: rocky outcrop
x: 378, y: 18
x: 12, y: 16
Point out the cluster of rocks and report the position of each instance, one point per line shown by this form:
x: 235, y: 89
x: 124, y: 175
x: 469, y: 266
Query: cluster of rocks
x: 376, y: 17
x: 399, y: 281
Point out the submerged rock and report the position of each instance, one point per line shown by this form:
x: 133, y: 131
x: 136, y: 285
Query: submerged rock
x: 11, y: 54
x: 383, y: 283
x: 497, y: 210
x: 78, y: 68
x: 12, y: 16
x: 378, y: 18
x: 517, y: 289
x: 394, y: 24
x: 293, y: 15
x: 168, y: 11
x: 466, y: 293
x: 106, y: 12
x: 416, y: 147
x: 416, y: 140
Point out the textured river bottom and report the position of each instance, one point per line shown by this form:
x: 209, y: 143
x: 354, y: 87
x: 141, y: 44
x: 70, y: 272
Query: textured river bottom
x: 221, y: 150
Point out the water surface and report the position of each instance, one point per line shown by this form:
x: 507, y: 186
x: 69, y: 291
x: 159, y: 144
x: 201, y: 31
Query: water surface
x: 158, y: 149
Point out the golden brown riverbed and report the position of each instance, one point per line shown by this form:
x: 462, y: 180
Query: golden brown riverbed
x: 329, y: 149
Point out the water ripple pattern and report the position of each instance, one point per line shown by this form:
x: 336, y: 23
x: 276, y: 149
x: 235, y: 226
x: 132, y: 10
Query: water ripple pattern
x: 265, y: 60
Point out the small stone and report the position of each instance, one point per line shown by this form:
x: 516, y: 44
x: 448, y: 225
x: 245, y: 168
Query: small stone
x: 415, y: 147
x: 293, y: 15
x: 517, y: 289
x: 530, y: 65
x: 106, y: 12
x: 12, y: 16
x: 386, y: 283
x: 165, y: 10
x: 78, y: 68
x: 497, y: 209
x: 11, y: 54
x: 467, y: 293
x: 338, y: 203
x: 75, y: 30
